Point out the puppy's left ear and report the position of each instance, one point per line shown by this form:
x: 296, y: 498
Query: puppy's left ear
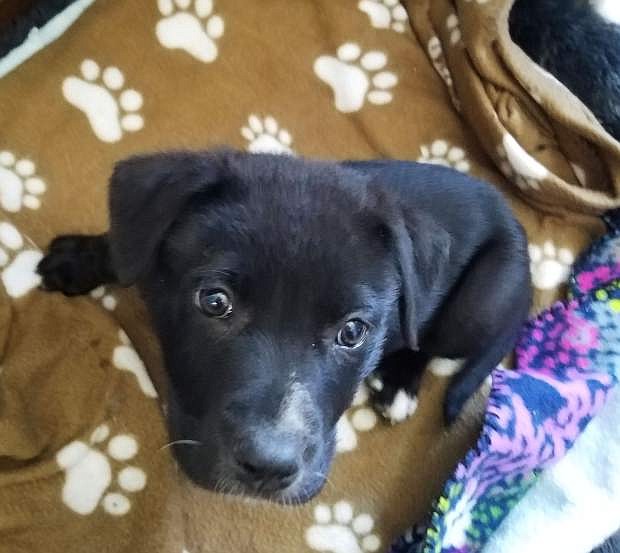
x: 422, y: 248
x: 147, y: 193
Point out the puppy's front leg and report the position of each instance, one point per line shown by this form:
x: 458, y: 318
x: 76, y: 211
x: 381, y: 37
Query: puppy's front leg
x: 394, y: 384
x: 76, y: 264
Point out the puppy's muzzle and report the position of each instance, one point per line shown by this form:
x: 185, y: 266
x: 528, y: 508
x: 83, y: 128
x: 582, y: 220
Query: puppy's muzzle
x: 268, y: 459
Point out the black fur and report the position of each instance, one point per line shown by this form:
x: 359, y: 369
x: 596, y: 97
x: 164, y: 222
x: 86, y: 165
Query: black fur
x: 612, y: 545
x: 76, y: 264
x: 570, y: 40
x: 14, y: 31
x: 428, y: 257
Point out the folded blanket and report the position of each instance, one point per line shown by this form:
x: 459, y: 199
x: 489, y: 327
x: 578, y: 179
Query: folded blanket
x: 83, y: 465
x: 537, y: 132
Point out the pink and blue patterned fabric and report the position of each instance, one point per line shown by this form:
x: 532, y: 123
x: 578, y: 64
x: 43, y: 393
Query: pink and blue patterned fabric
x: 566, y: 362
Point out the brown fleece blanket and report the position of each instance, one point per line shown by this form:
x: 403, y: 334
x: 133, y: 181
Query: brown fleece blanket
x: 83, y: 467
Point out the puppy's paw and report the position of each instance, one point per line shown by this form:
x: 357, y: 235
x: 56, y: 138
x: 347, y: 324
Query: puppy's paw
x: 453, y: 405
x: 393, y: 403
x: 75, y: 264
x: 401, y: 408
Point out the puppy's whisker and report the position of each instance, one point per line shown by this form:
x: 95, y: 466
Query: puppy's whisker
x: 288, y: 502
x: 219, y: 486
x: 180, y: 442
x: 216, y: 487
x: 294, y: 502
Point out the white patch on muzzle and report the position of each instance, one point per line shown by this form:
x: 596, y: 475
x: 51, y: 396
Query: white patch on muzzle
x: 295, y: 409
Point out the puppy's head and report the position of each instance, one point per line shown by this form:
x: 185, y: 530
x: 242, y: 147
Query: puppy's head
x: 273, y: 283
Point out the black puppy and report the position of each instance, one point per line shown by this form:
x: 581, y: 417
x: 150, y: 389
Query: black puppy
x: 578, y: 43
x: 276, y: 285
x: 611, y: 545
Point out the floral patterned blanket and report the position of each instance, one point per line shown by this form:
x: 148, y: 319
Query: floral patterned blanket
x: 567, y: 361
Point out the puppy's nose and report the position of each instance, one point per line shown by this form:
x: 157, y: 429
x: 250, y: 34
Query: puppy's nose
x: 270, y: 460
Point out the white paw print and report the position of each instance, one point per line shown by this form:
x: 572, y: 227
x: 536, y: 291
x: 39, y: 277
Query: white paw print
x: 359, y: 418
x: 196, y: 32
x: 349, y: 76
x: 435, y: 52
x: 110, y: 109
x: 519, y: 166
x: 20, y: 186
x: 265, y: 135
x: 88, y: 473
x: 452, y: 24
x: 336, y: 530
x: 550, y: 266
x: 126, y: 358
x: 580, y: 174
x: 107, y: 300
x: 18, y: 263
x: 444, y: 367
x: 385, y: 14
x: 440, y: 152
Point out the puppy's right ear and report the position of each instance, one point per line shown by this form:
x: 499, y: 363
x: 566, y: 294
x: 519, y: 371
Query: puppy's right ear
x: 147, y: 193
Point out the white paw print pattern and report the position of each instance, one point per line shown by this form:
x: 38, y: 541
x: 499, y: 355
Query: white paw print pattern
x: 195, y: 31
x: 444, y: 367
x: 452, y: 24
x: 18, y: 262
x: 550, y: 266
x: 89, y: 475
x: 441, y: 152
x: 385, y: 14
x: 20, y: 186
x: 435, y: 51
x: 337, y: 530
x: 266, y: 135
x: 438, y: 59
x: 359, y: 418
x: 355, y: 78
x: 126, y: 358
x: 107, y: 299
x: 580, y: 174
x: 516, y: 164
x: 110, y: 109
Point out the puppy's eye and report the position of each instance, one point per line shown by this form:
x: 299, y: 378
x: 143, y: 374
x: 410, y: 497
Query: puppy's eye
x: 352, y: 334
x: 214, y: 303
